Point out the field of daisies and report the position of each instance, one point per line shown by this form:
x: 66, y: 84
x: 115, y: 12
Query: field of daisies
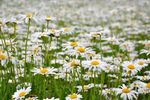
x: 74, y: 50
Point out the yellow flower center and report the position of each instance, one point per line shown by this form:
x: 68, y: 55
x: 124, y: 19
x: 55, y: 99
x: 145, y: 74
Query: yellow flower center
x: 21, y: 94
x: 73, y: 63
x: 81, y: 50
x: 29, y: 15
x: 96, y: 34
x: 125, y: 90
x: 43, y: 70
x: 48, y: 18
x: 140, y: 62
x: 35, y: 50
x: 131, y: 66
x: 66, y: 29
x: 7, y: 43
x: 148, y: 85
x: 95, y: 62
x: 52, y: 30
x: 85, y: 87
x: 90, y: 54
x: 2, y: 56
x: 73, y: 44
x: 73, y: 96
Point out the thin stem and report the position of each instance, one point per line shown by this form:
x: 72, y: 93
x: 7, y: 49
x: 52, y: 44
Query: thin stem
x: 26, y: 45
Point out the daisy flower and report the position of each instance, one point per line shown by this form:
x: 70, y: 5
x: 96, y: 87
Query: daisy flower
x: 50, y: 18
x: 113, y: 40
x: 85, y: 87
x: 27, y: 17
x: 147, y: 52
x: 127, y: 46
x: 66, y: 30
x: 144, y: 88
x: 136, y: 84
x: 94, y: 64
x: 72, y: 44
x: 146, y: 85
x: 44, y: 71
x: 51, y: 98
x: 20, y: 94
x: 141, y: 63
x: 107, y: 92
x: 95, y: 34
x: 126, y: 93
x: 70, y: 66
x: 89, y: 55
x: 90, y: 74
x: 130, y: 67
x: 108, y: 68
x: 32, y: 98
x: 80, y: 50
x: 74, y: 96
x: 3, y: 57
x: 143, y: 78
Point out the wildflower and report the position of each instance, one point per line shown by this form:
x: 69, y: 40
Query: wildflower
x: 147, y: 52
x: 85, y: 87
x: 126, y: 93
x: 143, y: 78
x: 74, y: 96
x: 3, y: 57
x: 51, y: 98
x: 20, y: 94
x: 95, y: 34
x: 94, y: 64
x: 130, y: 67
x: 141, y: 63
x: 44, y: 71
x: 50, y: 18
x: 144, y: 87
x: 107, y: 92
x: 127, y: 46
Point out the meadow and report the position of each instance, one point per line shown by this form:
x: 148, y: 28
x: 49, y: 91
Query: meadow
x: 75, y: 50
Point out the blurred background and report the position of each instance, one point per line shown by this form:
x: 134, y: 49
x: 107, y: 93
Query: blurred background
x: 132, y: 13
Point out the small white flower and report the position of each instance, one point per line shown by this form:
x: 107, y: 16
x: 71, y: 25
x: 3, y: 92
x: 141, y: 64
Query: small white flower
x: 51, y: 98
x: 44, y: 71
x: 20, y: 94
x: 126, y: 93
x: 74, y: 96
x: 94, y: 64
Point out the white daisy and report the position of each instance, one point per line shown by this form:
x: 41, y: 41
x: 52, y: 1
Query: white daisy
x: 141, y: 63
x: 51, y: 98
x: 94, y: 64
x: 130, y: 68
x: 126, y: 93
x: 127, y: 46
x: 74, y: 96
x: 44, y: 71
x: 143, y: 78
x: 20, y: 94
x: 85, y: 87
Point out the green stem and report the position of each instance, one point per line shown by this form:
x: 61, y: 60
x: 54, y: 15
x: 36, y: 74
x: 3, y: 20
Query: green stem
x: 26, y: 45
